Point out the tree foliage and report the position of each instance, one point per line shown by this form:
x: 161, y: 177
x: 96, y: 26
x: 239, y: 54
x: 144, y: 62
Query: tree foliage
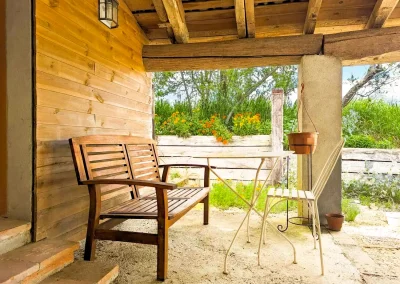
x: 223, y: 91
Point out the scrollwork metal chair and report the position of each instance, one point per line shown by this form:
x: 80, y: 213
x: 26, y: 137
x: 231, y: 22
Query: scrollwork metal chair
x: 311, y: 197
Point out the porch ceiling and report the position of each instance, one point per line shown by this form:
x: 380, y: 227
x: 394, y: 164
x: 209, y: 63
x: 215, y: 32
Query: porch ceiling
x: 188, y: 21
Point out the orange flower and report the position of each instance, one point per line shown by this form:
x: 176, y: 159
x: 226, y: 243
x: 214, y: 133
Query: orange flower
x: 219, y: 139
x: 214, y: 132
x: 225, y: 142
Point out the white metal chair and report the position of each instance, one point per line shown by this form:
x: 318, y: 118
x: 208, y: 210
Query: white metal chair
x: 310, y: 196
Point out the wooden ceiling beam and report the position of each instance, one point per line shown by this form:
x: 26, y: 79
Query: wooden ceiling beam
x: 250, y: 19
x: 371, y: 46
x: 382, y: 11
x: 240, y: 13
x: 176, y: 17
x: 314, y: 7
x: 239, y: 53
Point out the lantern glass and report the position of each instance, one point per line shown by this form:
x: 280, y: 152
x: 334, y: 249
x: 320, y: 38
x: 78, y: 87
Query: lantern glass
x: 108, y: 13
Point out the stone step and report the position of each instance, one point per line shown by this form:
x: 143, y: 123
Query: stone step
x: 34, y: 262
x: 85, y: 272
x: 13, y: 234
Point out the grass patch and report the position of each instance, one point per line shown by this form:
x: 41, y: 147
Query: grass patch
x: 350, y: 210
x: 222, y: 197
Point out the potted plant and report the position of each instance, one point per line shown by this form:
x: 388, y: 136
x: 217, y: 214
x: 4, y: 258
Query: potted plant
x: 303, y: 142
x: 335, y: 221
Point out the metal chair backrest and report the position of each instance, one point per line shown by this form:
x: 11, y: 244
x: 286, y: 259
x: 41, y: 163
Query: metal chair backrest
x: 327, y: 169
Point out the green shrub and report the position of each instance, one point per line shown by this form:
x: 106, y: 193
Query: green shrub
x: 350, y: 210
x: 365, y: 141
x: 377, y: 120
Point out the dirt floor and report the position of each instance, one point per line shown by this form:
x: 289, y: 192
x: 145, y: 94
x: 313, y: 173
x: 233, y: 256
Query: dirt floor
x: 366, y: 251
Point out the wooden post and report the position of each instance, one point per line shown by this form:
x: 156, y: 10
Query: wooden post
x: 277, y: 99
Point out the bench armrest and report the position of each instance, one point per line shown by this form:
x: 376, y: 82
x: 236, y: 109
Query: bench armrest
x: 155, y: 184
x: 185, y: 165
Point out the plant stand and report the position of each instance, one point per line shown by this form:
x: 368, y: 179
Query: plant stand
x: 304, y: 221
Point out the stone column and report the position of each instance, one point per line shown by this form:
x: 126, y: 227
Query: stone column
x: 321, y: 79
x: 277, y: 99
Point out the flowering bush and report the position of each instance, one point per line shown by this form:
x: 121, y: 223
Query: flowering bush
x: 246, y: 124
x: 185, y: 126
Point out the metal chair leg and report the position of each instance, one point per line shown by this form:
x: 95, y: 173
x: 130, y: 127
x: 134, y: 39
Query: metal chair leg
x: 319, y: 236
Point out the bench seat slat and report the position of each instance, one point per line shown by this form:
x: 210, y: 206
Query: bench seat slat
x: 146, y: 207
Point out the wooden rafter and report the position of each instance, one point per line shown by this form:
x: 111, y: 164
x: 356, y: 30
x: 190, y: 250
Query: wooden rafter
x: 240, y: 14
x: 312, y: 14
x: 382, y: 11
x: 176, y: 17
x: 250, y: 18
x: 162, y: 15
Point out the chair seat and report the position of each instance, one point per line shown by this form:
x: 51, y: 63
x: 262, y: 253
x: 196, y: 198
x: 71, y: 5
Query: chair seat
x: 291, y: 194
x: 179, y: 200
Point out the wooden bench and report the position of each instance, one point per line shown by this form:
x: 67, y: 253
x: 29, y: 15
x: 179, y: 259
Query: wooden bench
x: 124, y: 166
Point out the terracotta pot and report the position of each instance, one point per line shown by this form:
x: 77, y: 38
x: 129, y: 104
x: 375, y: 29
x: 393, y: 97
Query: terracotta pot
x: 335, y: 221
x: 303, y: 142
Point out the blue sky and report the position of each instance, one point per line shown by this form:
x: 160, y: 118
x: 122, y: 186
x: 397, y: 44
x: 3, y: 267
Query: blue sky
x: 357, y: 71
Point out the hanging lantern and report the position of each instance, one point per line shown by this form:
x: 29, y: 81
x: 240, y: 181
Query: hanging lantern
x: 108, y: 13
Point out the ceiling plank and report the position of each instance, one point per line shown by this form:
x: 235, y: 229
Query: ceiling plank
x: 176, y: 18
x: 250, y: 19
x: 312, y: 14
x: 382, y: 11
x: 240, y: 14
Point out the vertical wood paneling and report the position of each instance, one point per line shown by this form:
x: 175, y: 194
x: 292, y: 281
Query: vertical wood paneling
x: 90, y: 80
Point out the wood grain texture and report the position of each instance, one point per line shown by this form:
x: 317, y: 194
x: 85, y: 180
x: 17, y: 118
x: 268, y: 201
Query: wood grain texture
x: 176, y: 17
x: 382, y: 11
x: 312, y: 14
x: 90, y: 79
x: 240, y: 13
x: 250, y: 18
x: 368, y: 46
x: 212, y: 19
x: 231, y: 54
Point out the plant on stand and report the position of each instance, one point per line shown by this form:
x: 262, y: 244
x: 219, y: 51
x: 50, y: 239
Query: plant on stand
x: 303, y: 142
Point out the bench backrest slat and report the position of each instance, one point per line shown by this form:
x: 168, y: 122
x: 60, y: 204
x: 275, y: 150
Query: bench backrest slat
x: 114, y: 157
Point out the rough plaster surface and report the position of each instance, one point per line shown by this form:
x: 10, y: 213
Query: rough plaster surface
x: 196, y: 253
x: 19, y: 109
x: 322, y: 96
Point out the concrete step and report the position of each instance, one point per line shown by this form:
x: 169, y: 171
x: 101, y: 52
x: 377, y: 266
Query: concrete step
x: 13, y: 234
x: 34, y: 262
x: 85, y: 272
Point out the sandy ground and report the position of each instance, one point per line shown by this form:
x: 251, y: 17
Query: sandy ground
x: 366, y: 251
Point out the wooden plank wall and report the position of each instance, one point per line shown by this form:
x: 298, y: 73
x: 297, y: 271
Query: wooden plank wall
x: 3, y: 111
x: 90, y: 80
x: 172, y: 149
x: 356, y: 163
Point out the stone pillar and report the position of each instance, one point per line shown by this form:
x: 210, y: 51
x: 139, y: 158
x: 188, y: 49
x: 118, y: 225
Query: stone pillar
x: 277, y: 99
x: 321, y: 78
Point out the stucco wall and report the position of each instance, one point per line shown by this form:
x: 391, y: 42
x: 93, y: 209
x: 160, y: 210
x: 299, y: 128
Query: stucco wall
x: 19, y: 108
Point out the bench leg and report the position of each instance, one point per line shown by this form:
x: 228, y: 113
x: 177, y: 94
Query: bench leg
x: 162, y: 252
x: 93, y: 222
x: 206, y: 202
